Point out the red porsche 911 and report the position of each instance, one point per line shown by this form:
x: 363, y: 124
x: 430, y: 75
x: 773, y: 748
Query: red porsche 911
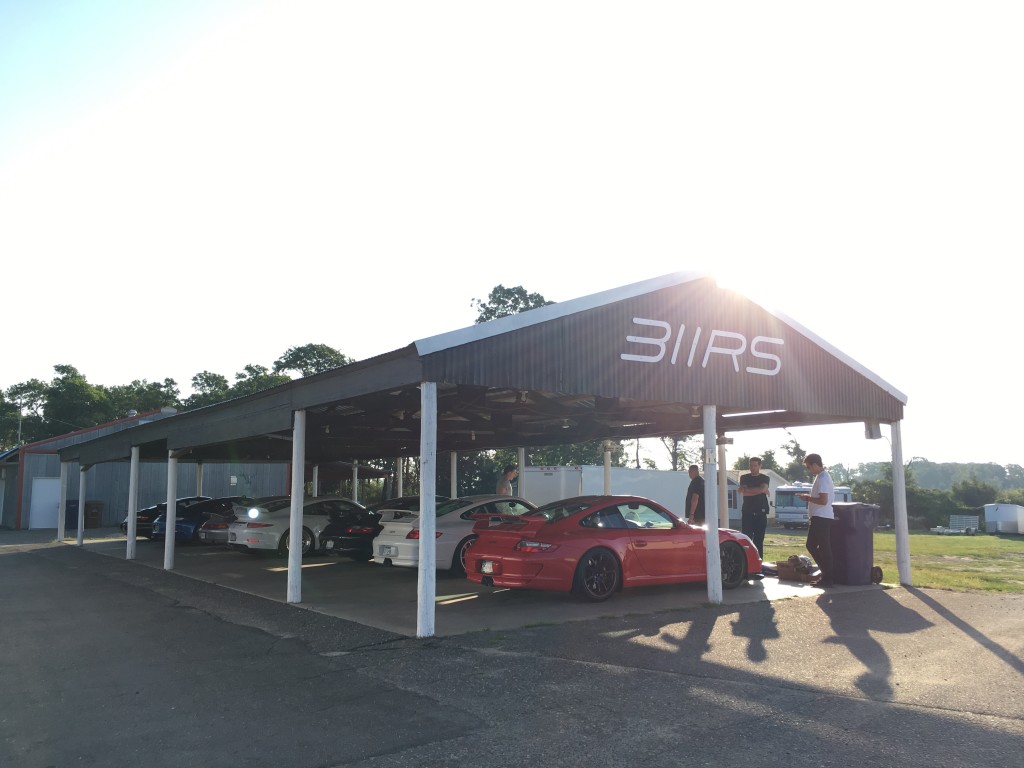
x: 594, y: 546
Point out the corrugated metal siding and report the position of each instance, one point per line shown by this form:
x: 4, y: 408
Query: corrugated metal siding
x: 108, y: 483
x: 582, y: 354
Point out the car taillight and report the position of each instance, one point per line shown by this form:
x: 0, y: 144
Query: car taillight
x: 215, y: 526
x: 415, y: 534
x: 535, y: 546
x: 258, y: 525
x: 360, y: 530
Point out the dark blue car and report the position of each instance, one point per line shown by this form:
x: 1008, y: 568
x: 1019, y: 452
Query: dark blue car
x: 190, y: 519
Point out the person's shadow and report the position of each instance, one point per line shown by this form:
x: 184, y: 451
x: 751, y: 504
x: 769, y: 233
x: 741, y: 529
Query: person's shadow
x: 756, y: 622
x: 855, y: 617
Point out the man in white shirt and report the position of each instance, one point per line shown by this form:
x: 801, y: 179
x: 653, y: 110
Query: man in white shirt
x: 504, y: 486
x: 820, y: 517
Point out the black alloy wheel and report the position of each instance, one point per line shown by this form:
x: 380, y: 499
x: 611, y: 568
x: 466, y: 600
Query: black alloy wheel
x: 598, y: 575
x: 734, y: 564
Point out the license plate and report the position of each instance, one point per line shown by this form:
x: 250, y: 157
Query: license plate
x: 231, y: 536
x: 486, y: 566
x: 329, y: 544
x: 386, y: 551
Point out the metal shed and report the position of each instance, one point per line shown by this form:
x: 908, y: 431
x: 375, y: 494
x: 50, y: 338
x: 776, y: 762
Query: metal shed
x: 672, y: 355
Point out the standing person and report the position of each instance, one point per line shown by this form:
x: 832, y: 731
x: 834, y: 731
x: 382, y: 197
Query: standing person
x: 504, y: 486
x: 695, y: 497
x: 819, y: 518
x: 754, y: 489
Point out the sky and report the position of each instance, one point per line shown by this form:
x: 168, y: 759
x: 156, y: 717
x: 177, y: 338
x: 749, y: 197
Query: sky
x: 201, y: 185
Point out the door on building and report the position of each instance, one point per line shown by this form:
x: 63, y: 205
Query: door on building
x: 45, y: 502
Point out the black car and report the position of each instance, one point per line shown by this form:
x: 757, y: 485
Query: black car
x: 145, y: 518
x: 351, y: 534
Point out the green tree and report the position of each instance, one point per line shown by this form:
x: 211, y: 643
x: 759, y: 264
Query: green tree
x: 21, y: 413
x: 768, y: 461
x: 502, y: 302
x: 72, y: 403
x: 973, y: 493
x: 207, y: 388
x: 311, y: 359
x: 256, y: 378
x: 683, y: 451
x: 1014, y: 476
x: 926, y: 507
x: 1014, y: 496
x: 143, y: 396
x: 795, y: 469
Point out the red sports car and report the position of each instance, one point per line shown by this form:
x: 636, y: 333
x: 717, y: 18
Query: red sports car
x: 596, y: 545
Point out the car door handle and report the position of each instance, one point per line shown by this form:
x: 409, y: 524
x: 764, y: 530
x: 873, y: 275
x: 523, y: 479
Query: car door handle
x: 641, y: 543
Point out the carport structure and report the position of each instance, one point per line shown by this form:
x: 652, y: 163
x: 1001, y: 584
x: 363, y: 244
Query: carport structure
x: 674, y: 355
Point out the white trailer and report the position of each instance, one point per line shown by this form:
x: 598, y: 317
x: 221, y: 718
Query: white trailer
x: 1004, y: 518
x: 544, y: 484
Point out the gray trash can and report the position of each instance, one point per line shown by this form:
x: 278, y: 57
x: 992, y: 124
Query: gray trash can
x: 853, y: 542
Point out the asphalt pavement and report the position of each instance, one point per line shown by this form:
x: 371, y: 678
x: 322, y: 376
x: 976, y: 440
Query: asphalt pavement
x: 108, y: 662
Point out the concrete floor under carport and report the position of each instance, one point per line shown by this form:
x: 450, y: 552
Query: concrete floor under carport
x: 386, y: 598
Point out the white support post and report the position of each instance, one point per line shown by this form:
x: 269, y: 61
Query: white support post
x: 607, y: 467
x: 713, y: 556
x: 62, y: 519
x: 133, y: 503
x: 171, y: 515
x: 355, y: 480
x: 427, y: 584
x: 316, y: 480
x: 295, y: 519
x: 521, y: 487
x: 80, y: 536
x: 899, y: 506
x: 399, y: 477
x: 199, y: 478
x: 723, y: 489
x: 453, y: 486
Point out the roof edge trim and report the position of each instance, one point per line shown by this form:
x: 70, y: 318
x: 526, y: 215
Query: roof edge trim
x: 511, y: 323
x: 865, y: 372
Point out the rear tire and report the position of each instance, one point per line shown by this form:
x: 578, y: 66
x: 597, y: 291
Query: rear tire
x: 598, y: 575
x: 459, y: 558
x: 285, y: 544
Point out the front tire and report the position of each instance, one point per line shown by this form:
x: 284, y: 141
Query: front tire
x: 598, y: 575
x: 734, y: 564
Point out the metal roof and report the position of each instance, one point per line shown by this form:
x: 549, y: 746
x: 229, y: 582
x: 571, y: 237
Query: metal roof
x: 636, y: 361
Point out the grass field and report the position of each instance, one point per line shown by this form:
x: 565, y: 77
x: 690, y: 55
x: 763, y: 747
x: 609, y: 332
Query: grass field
x: 979, y: 563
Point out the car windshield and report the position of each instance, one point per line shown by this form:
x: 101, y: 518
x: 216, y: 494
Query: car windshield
x: 789, y: 499
x: 558, y: 510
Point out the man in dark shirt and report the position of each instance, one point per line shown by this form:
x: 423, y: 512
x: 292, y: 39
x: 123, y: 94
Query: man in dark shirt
x: 754, y: 490
x: 695, y: 497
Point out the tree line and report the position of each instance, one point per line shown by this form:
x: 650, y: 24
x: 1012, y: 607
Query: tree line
x: 934, y: 491
x: 35, y: 410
